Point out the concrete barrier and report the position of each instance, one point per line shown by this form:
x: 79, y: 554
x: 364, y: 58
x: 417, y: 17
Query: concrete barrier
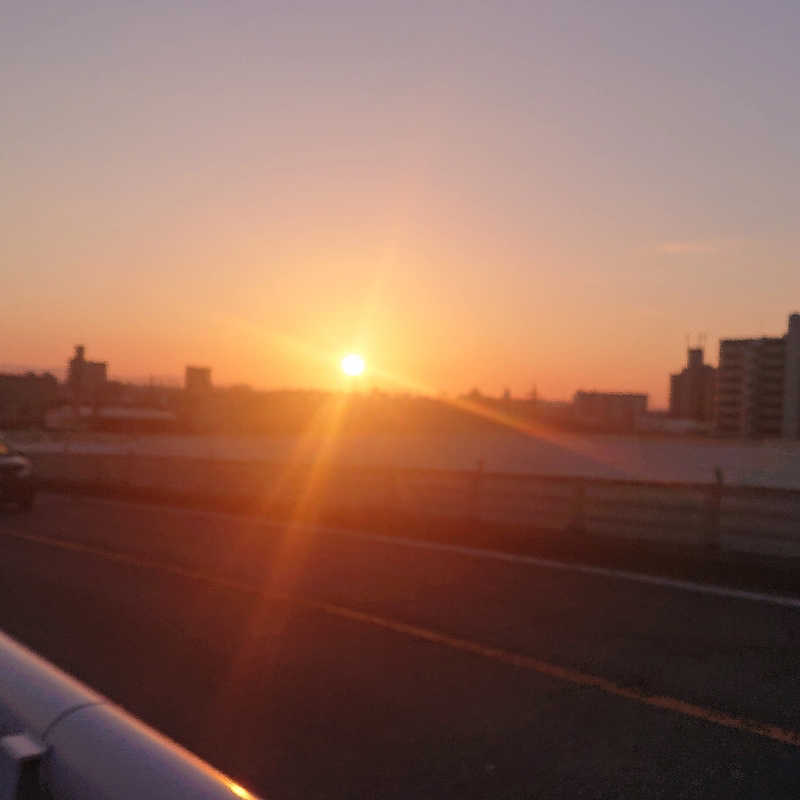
x: 733, y: 518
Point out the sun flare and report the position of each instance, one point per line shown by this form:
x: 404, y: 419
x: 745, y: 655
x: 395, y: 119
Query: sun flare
x: 353, y: 365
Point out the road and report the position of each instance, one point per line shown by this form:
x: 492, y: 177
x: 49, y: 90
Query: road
x: 315, y: 664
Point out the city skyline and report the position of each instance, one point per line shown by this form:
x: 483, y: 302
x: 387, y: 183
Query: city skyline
x: 549, y: 195
x: 698, y: 344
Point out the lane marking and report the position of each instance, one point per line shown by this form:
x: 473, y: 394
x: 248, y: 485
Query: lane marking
x: 715, y: 590
x: 577, y: 677
x: 496, y: 654
x: 590, y: 569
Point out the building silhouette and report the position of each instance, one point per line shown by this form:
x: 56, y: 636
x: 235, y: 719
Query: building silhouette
x: 86, y: 380
x: 26, y: 399
x: 691, y: 391
x: 197, y: 380
x: 758, y: 385
x: 791, y: 381
x: 609, y: 410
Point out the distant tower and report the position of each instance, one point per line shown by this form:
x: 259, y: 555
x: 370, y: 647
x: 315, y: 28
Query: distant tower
x: 75, y: 370
x: 197, y: 380
x: 86, y: 379
x: 691, y: 391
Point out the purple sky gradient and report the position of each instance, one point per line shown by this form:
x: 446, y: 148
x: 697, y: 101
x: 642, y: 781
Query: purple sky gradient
x: 491, y: 194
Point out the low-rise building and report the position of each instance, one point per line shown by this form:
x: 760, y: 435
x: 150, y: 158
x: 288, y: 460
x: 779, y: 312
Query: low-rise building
x: 26, y: 398
x: 612, y: 411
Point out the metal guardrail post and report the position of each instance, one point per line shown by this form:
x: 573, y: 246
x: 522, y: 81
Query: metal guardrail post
x: 578, y: 522
x: 74, y: 743
x: 130, y: 466
x: 390, y: 491
x: 712, y: 538
x: 475, y: 491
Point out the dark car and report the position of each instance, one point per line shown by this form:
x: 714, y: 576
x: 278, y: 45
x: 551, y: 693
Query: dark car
x: 16, y: 477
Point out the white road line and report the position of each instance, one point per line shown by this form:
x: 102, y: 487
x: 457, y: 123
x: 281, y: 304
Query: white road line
x: 587, y: 569
x: 488, y: 555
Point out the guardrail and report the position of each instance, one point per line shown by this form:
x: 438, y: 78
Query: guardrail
x: 69, y: 742
x: 712, y: 515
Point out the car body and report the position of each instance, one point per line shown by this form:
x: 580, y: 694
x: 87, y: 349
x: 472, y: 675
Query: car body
x: 17, y: 481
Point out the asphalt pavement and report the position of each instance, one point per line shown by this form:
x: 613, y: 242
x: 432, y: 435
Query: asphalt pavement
x: 310, y: 663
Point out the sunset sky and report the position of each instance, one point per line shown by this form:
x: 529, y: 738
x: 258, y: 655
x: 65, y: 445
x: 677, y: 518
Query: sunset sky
x: 469, y: 194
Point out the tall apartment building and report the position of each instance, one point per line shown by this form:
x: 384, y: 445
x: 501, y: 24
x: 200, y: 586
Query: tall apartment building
x: 691, y: 391
x: 791, y: 380
x: 758, y: 385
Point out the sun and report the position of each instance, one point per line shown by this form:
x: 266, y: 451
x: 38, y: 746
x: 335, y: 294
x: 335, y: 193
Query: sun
x: 353, y: 365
